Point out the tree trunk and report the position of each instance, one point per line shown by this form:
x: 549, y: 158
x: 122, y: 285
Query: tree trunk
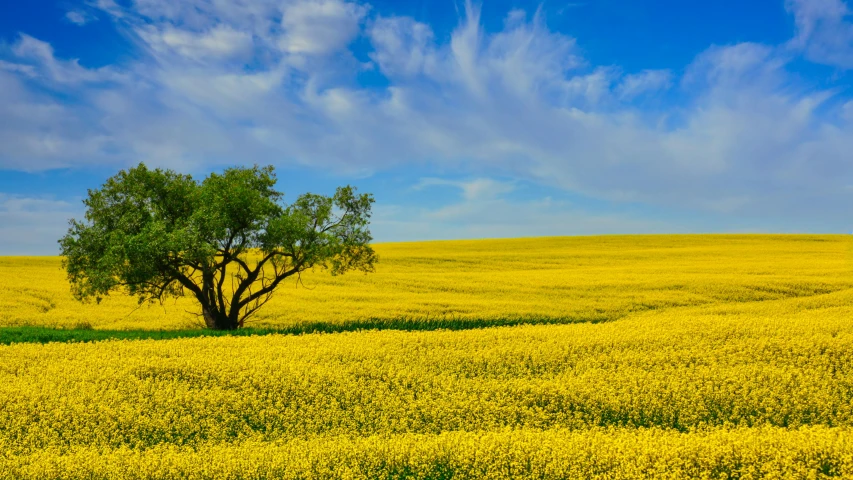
x: 216, y: 320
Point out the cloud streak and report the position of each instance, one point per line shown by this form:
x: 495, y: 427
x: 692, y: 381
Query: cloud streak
x: 79, y: 17
x: 824, y: 31
x: 31, y: 225
x: 219, y: 82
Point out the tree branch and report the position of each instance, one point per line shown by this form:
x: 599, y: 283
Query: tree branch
x: 271, y: 286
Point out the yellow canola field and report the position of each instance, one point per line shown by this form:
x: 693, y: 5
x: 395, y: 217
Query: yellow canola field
x: 567, y: 279
x: 755, y: 390
x: 757, y: 453
x: 745, y: 372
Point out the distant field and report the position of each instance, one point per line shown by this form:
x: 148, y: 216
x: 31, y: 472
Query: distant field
x: 681, y: 357
x: 570, y: 279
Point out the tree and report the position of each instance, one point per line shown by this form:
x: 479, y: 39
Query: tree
x: 227, y: 241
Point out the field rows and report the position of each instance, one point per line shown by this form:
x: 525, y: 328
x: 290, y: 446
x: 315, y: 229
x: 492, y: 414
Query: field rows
x: 717, y: 360
x: 746, y: 453
x: 567, y: 280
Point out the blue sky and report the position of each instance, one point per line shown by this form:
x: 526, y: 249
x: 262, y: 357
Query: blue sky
x: 466, y: 120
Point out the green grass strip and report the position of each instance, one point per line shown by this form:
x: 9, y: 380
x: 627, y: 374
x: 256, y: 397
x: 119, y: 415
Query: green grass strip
x: 31, y: 334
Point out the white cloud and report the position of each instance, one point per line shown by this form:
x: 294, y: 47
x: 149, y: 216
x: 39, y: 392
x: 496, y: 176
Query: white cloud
x: 41, y: 60
x: 847, y: 111
x: 25, y: 70
x: 472, y: 190
x: 403, y: 47
x: 319, y: 27
x: 647, y: 81
x: 76, y: 17
x: 499, y: 217
x: 592, y: 88
x: 31, y: 226
x: 79, y: 17
x: 824, y: 31
x: 738, y: 66
x: 39, y: 132
x: 268, y: 81
x: 218, y: 42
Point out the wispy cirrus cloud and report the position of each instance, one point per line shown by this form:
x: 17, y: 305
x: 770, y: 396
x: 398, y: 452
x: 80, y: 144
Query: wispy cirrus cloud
x: 36, y: 59
x: 215, y: 82
x: 647, y: 81
x: 80, y: 17
x: 31, y: 225
x: 824, y: 31
x: 476, y: 189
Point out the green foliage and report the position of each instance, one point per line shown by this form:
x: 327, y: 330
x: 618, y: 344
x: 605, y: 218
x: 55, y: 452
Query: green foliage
x: 83, y: 333
x: 28, y: 334
x: 228, y: 241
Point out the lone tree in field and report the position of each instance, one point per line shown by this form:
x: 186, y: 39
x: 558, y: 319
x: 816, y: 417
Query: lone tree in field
x: 227, y: 241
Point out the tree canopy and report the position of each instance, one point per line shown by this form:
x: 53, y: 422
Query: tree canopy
x: 228, y: 241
